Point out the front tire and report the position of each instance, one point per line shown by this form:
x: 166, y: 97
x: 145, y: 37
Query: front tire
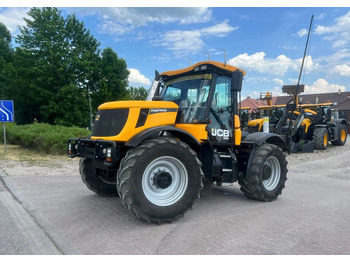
x: 159, y: 180
x: 93, y: 181
x: 320, y: 138
x: 267, y: 174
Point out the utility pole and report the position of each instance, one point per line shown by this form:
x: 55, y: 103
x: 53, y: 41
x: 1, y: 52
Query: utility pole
x: 90, y: 107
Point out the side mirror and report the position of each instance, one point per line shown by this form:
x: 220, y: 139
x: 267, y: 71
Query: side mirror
x: 236, y: 81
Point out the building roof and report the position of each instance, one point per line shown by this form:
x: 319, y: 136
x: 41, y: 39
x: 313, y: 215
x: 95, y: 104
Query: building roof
x: 340, y: 100
x: 252, y: 103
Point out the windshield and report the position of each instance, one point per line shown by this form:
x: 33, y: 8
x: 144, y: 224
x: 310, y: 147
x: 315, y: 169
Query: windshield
x: 190, y: 93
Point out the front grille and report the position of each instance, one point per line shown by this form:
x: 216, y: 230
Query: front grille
x: 109, y: 122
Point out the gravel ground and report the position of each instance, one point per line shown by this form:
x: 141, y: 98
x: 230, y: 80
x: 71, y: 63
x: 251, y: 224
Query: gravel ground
x: 21, y: 162
x: 332, y: 162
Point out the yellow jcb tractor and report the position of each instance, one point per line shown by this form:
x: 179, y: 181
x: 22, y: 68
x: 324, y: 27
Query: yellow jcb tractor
x: 273, y: 112
x: 156, y: 154
x: 320, y: 127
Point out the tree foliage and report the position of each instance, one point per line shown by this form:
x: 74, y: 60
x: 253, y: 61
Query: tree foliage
x: 114, y: 75
x: 6, y: 59
x: 59, y: 66
x: 136, y: 93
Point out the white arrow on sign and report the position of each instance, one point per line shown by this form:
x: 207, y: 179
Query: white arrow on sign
x: 8, y: 114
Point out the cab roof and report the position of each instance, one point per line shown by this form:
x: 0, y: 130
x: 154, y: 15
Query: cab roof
x: 219, y: 65
x: 315, y: 105
x: 272, y: 106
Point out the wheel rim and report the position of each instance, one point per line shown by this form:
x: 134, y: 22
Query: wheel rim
x: 164, y: 181
x: 343, y: 135
x: 325, y: 139
x: 271, y: 173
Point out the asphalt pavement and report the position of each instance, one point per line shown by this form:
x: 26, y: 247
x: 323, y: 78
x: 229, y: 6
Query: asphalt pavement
x: 58, y: 214
x: 19, y: 231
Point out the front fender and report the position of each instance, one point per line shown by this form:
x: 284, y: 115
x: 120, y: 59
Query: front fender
x: 157, y: 131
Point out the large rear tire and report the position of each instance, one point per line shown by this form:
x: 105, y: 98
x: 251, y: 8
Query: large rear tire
x: 267, y: 175
x: 320, y: 138
x: 159, y: 180
x: 93, y: 181
x: 342, y: 135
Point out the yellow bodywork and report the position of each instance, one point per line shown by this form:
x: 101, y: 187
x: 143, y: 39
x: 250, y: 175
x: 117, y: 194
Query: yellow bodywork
x: 255, y: 122
x: 310, y: 111
x: 271, y: 107
x: 153, y: 119
x: 130, y: 129
x: 306, y: 122
x: 316, y: 105
x: 197, y: 130
x: 238, y: 131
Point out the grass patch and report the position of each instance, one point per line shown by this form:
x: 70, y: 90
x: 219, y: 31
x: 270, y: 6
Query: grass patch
x: 43, y: 138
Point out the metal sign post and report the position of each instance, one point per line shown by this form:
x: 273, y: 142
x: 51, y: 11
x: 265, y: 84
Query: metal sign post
x: 6, y: 115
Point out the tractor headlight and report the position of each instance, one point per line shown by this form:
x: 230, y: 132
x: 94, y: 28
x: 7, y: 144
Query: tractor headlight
x: 109, y: 154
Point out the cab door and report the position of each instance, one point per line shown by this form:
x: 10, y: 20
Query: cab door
x: 221, y: 112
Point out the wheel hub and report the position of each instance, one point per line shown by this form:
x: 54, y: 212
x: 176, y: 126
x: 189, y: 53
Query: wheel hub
x: 271, y: 173
x: 266, y: 172
x: 162, y: 179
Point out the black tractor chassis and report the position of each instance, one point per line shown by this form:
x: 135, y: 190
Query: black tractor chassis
x: 105, y: 154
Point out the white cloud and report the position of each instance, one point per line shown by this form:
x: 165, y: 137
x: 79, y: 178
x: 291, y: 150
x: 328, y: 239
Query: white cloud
x: 277, y: 91
x: 13, y: 17
x: 322, y: 86
x: 278, y: 81
x: 343, y: 70
x: 320, y: 17
x: 218, y: 30
x: 191, y: 41
x: 302, y: 32
x: 120, y: 20
x: 339, y: 33
x: 272, y: 66
x: 137, y: 79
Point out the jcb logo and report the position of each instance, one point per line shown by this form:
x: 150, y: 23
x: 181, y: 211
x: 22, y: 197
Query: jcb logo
x: 220, y: 133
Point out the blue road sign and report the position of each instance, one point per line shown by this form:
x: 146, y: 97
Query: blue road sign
x: 6, y: 111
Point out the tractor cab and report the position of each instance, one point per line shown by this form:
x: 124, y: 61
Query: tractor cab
x: 206, y: 95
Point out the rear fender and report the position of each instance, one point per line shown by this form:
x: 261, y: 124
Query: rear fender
x: 251, y: 143
x: 260, y: 138
x: 339, y: 121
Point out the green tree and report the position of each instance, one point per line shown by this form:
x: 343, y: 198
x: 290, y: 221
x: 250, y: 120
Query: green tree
x: 137, y: 93
x: 6, y: 59
x: 56, y: 54
x: 114, y: 78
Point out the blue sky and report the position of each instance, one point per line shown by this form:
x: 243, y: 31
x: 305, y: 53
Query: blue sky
x: 267, y: 42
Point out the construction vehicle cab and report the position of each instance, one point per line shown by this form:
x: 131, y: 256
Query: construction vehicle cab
x: 244, y: 116
x: 156, y: 154
x: 273, y: 112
